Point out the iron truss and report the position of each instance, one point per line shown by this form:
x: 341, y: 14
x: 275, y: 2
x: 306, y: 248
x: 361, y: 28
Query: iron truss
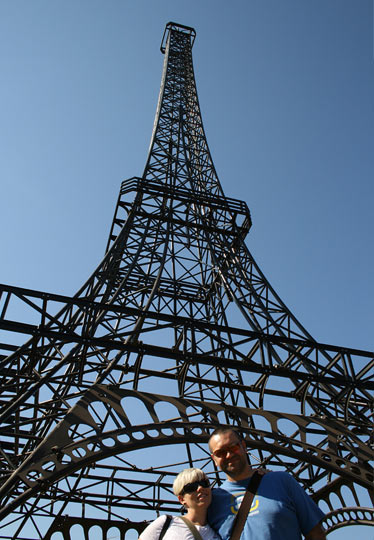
x: 106, y: 395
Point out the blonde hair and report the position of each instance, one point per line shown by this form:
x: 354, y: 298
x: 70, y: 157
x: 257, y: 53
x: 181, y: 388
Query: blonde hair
x: 186, y: 477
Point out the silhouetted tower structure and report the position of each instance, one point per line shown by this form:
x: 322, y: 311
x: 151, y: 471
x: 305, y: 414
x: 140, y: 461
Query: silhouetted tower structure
x: 176, y: 331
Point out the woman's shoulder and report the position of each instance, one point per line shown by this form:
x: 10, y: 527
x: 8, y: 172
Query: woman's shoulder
x: 177, y: 528
x: 208, y: 533
x: 153, y: 530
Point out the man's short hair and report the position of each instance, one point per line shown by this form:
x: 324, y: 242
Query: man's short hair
x: 186, y: 477
x: 222, y: 430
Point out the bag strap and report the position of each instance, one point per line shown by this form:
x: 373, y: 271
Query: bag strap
x: 165, y: 527
x: 192, y: 528
x: 245, y: 506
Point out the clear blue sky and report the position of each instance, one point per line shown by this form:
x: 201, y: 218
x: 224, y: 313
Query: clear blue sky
x: 286, y: 90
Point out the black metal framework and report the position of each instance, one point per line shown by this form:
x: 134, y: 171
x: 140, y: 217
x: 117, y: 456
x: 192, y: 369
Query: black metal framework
x: 106, y: 395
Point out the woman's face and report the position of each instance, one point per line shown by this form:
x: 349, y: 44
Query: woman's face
x: 196, y: 494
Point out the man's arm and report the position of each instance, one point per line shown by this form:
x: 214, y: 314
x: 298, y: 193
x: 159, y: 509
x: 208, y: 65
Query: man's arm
x: 317, y: 533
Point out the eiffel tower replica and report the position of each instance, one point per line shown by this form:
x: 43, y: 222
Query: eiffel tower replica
x: 107, y: 395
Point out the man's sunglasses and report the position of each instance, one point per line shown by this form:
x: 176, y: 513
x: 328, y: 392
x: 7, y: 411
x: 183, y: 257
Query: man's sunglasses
x: 222, y: 452
x: 193, y: 486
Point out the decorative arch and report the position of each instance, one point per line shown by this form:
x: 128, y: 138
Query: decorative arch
x: 98, y: 427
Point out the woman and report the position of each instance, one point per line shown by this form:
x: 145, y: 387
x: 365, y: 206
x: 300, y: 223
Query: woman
x: 192, y: 488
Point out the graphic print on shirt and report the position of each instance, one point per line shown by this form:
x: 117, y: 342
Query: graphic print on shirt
x: 236, y: 501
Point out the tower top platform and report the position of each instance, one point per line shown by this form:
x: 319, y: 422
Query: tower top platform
x: 179, y: 28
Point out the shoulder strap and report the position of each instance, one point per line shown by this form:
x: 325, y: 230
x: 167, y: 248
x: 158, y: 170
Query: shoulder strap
x: 192, y: 528
x: 165, y: 527
x: 245, y: 506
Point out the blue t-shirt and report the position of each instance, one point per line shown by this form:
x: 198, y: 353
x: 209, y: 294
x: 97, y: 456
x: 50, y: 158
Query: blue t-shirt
x: 281, y: 510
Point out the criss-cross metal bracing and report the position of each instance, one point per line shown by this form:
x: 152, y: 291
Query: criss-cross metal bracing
x: 106, y: 395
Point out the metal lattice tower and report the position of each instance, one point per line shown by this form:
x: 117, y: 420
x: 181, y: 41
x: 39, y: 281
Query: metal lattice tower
x: 116, y: 389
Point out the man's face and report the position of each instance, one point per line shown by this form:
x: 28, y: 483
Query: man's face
x: 229, y: 454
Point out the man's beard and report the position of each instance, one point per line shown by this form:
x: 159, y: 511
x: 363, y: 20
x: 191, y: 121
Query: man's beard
x: 235, y: 468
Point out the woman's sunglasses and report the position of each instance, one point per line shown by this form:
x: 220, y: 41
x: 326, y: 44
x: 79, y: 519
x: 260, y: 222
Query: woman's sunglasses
x: 193, y: 486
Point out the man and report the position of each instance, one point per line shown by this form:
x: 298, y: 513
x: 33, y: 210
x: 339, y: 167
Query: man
x: 281, y: 510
